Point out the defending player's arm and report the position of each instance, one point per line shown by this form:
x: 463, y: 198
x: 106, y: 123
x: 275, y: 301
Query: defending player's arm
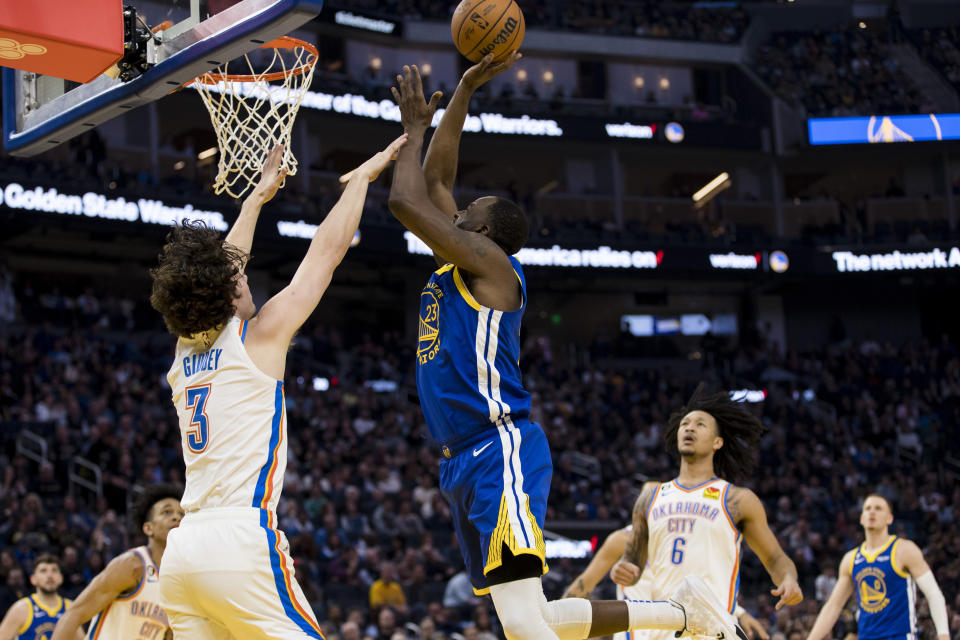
x: 16, y: 620
x: 605, y: 557
x: 410, y: 201
x: 627, y: 570
x: 910, y: 558
x: 271, y: 330
x: 122, y: 574
x: 748, y: 514
x: 241, y: 234
x: 833, y: 607
x: 440, y: 163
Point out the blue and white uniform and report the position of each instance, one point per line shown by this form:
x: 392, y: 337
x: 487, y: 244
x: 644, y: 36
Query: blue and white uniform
x: 137, y: 614
x: 226, y: 571
x: 886, y: 595
x: 496, y: 468
x: 41, y: 621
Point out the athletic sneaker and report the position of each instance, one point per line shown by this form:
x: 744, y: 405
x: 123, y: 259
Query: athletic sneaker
x: 703, y: 613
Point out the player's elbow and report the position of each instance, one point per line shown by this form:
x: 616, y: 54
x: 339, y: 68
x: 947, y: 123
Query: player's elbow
x: 400, y: 206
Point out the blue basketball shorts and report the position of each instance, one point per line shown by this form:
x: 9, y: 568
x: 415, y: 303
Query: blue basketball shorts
x: 497, y: 490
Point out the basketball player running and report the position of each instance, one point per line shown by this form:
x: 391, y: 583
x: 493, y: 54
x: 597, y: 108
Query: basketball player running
x: 603, y: 560
x: 227, y: 571
x: 693, y: 525
x: 497, y: 467
x: 883, y: 572
x: 34, y: 617
x: 125, y: 596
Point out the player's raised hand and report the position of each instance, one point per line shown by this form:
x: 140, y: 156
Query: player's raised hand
x: 789, y: 592
x: 484, y: 70
x: 415, y: 112
x: 271, y: 176
x: 370, y: 170
x: 625, y: 573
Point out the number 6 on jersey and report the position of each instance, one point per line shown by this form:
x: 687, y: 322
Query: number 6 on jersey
x: 197, y: 435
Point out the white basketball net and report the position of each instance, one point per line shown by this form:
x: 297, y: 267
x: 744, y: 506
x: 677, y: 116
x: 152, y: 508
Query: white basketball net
x: 255, y: 112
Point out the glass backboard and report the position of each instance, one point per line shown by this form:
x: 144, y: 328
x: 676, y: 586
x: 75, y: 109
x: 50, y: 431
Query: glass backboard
x: 40, y: 112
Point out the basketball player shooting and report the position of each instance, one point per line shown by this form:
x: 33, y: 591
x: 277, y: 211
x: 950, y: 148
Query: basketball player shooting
x: 227, y: 571
x: 694, y: 524
x: 496, y: 465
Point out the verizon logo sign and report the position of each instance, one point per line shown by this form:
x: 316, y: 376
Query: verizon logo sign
x: 735, y: 260
x: 897, y: 260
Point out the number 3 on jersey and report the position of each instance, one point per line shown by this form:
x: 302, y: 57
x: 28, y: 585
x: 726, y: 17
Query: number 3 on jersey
x: 198, y: 434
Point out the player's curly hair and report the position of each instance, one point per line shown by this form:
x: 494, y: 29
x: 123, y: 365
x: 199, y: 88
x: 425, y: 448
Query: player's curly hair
x: 741, y: 432
x: 508, y: 225
x: 142, y: 509
x: 194, y: 285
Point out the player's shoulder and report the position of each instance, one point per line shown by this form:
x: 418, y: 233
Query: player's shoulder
x: 741, y: 501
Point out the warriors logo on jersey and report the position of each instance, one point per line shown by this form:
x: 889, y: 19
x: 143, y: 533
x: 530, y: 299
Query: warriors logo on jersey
x: 886, y: 595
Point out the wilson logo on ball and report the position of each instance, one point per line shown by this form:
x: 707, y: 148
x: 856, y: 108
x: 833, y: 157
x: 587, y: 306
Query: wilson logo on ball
x: 502, y: 37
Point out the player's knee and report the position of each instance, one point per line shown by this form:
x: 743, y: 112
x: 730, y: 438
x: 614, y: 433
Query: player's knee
x: 520, y: 624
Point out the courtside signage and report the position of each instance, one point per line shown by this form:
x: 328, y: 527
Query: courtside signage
x: 735, y: 260
x: 97, y: 205
x: 847, y: 261
x: 363, y: 22
x: 557, y: 256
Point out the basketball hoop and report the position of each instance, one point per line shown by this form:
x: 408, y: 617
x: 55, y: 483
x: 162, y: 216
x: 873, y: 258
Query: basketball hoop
x: 253, y: 112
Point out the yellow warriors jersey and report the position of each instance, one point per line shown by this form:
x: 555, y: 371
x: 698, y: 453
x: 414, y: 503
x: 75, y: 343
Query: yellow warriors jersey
x: 135, y: 615
x: 232, y: 424
x: 691, y: 532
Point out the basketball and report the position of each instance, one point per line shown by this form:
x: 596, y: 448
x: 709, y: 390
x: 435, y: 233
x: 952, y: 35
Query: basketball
x: 480, y: 27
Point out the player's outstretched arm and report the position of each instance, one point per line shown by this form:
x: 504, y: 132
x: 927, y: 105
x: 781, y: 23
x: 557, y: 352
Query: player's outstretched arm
x: 270, y: 332
x: 602, y: 561
x: 747, y: 512
x: 122, y: 574
x: 440, y: 163
x: 627, y: 570
x: 241, y: 234
x: 834, y: 605
x: 910, y: 558
x: 14, y: 623
x: 410, y: 201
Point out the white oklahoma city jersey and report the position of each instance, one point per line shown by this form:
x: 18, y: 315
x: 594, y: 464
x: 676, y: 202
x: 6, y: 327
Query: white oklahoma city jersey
x: 232, y: 424
x: 691, y: 532
x: 136, y: 615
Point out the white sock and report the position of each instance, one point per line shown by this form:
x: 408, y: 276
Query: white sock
x: 646, y: 614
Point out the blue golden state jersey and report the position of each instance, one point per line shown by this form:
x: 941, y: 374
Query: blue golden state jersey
x: 886, y: 596
x: 468, y: 371
x: 40, y: 620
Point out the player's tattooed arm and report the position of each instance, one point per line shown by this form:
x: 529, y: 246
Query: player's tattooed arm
x: 749, y: 516
x: 628, y: 569
x: 636, y: 551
